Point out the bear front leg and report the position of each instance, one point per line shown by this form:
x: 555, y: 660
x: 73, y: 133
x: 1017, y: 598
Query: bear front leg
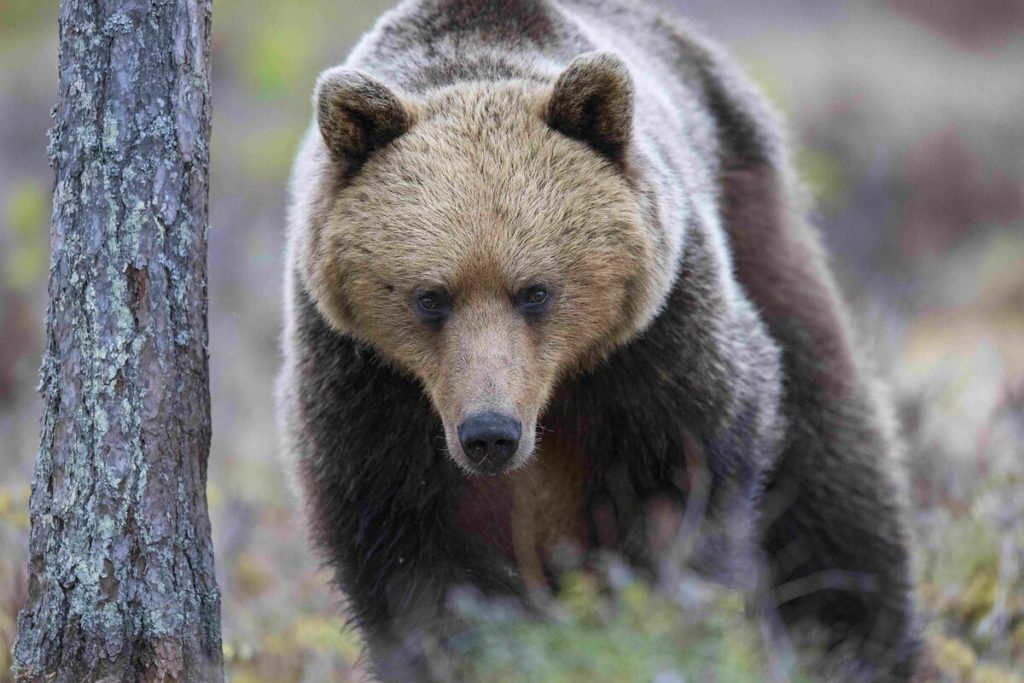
x: 832, y: 528
x: 380, y: 497
x: 406, y: 610
x: 832, y: 523
x: 832, y: 520
x: 386, y: 526
x: 399, y: 560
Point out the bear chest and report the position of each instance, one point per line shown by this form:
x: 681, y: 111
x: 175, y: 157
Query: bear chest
x: 534, y: 516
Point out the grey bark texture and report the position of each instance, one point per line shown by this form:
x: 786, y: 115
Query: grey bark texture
x: 121, y: 577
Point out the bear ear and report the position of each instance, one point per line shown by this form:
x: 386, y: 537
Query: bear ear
x: 357, y: 115
x: 592, y: 101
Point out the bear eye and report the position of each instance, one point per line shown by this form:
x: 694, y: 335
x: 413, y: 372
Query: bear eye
x: 432, y: 306
x: 534, y: 299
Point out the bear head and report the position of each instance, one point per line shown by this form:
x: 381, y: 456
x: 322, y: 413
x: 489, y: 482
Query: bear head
x: 487, y: 238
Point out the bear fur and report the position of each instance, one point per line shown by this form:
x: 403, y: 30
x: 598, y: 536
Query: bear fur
x: 692, y: 352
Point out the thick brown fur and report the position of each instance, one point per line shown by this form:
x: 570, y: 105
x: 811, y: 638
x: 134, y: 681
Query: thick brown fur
x: 692, y: 353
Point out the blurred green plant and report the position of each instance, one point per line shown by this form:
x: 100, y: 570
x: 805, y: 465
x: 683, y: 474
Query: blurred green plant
x: 606, y: 635
x: 27, y: 253
x: 329, y: 636
x: 290, y: 652
x: 823, y: 174
x: 14, y: 525
x: 17, y: 16
x: 278, y: 53
x: 278, y: 47
x: 266, y: 154
x: 14, y: 507
x: 770, y: 84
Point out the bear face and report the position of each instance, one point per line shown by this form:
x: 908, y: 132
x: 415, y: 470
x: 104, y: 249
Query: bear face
x: 487, y: 240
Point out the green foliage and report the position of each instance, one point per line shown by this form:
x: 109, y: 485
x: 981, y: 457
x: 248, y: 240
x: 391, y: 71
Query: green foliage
x: 277, y: 57
x: 308, y: 643
x: 769, y: 82
x: 25, y: 259
x: 19, y: 16
x: 266, y: 154
x: 279, y: 47
x: 823, y: 174
x: 14, y: 525
x: 974, y: 605
x: 14, y: 507
x: 615, y: 635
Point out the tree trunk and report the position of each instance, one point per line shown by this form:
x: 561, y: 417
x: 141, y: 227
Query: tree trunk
x: 121, y: 580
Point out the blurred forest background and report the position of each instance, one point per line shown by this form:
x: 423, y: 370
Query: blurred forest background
x: 907, y: 118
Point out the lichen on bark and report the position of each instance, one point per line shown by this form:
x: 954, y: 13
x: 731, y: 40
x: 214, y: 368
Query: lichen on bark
x: 121, y: 577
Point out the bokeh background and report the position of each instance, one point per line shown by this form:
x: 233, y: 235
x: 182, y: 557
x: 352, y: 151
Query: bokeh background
x: 907, y: 120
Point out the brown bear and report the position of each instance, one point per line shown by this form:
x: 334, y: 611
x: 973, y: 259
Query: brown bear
x: 548, y: 271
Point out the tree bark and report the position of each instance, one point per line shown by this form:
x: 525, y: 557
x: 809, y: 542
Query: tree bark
x: 121, y: 578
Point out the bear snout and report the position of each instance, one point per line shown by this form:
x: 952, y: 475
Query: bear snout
x: 489, y: 440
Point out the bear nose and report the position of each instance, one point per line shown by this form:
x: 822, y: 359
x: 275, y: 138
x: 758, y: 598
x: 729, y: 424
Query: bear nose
x: 489, y: 440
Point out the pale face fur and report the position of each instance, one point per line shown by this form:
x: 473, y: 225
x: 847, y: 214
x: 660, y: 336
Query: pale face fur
x: 480, y: 199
